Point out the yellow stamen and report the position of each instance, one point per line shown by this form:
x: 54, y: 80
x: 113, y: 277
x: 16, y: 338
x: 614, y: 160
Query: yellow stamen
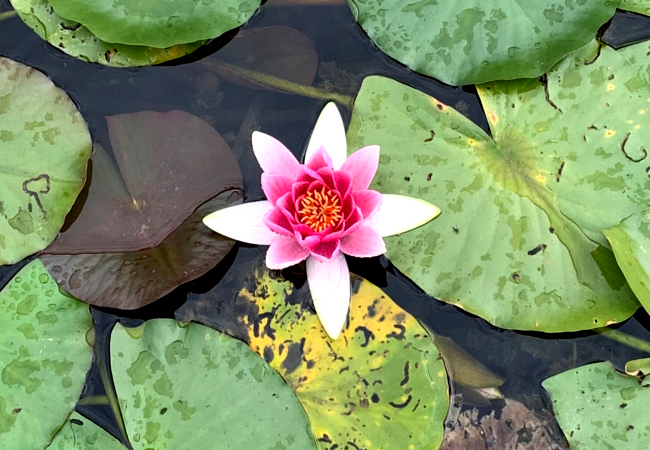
x: 320, y: 210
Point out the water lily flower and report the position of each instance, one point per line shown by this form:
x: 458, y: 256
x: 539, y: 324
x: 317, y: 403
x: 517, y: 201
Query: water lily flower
x: 321, y: 211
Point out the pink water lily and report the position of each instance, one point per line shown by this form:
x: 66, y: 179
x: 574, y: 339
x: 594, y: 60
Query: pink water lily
x: 320, y: 211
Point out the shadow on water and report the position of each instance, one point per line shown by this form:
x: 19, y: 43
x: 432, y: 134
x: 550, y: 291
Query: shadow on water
x: 523, y: 359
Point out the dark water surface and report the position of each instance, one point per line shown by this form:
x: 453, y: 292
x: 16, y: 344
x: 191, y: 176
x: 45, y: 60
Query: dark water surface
x: 522, y: 359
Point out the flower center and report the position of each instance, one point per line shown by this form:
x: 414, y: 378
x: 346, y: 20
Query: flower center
x: 320, y: 209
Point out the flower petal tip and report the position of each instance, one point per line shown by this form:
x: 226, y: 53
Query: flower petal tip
x: 329, y: 132
x: 399, y: 214
x: 329, y: 284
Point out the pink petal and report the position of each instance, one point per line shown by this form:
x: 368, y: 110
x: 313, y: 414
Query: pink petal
x: 343, y: 182
x: 368, y: 202
x: 299, y: 189
x: 273, y: 156
x: 287, y: 206
x: 327, y: 175
x: 319, y: 160
x: 277, y: 222
x: 307, y: 174
x: 353, y: 221
x: 275, y: 186
x: 329, y: 132
x: 329, y: 284
x: 326, y: 251
x: 243, y: 223
x: 363, y: 243
x: 285, y: 252
x: 362, y: 164
x: 306, y: 240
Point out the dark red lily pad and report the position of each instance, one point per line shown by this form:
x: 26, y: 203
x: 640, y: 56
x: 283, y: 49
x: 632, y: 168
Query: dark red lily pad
x: 278, y: 51
x: 168, y: 164
x: 140, y: 234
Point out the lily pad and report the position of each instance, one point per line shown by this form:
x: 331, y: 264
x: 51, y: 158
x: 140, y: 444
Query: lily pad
x: 519, y: 241
x: 140, y: 234
x: 80, y: 433
x: 76, y: 40
x: 187, y: 386
x: 158, y: 24
x: 638, y: 367
x: 637, y: 6
x: 380, y: 385
x: 470, y: 41
x: 44, y: 358
x: 599, y: 408
x: 630, y: 241
x: 44, y: 150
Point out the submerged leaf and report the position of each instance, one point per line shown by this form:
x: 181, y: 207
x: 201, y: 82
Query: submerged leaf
x: 44, y: 358
x: 380, y: 385
x: 470, y: 41
x: 187, y: 386
x: 44, y: 150
x: 599, y: 408
x: 76, y: 40
x: 519, y: 241
x: 157, y: 24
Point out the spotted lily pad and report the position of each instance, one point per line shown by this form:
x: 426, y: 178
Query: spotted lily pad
x: 139, y: 233
x: 187, y: 386
x: 470, y: 41
x: 382, y: 384
x: 600, y: 408
x: 157, y: 24
x: 44, y: 150
x: 79, y: 433
x: 519, y: 241
x: 630, y: 241
x: 76, y: 40
x: 637, y: 6
x: 44, y: 358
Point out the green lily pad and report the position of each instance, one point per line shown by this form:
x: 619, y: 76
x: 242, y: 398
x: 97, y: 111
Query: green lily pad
x: 470, y: 41
x: 637, y: 6
x: 76, y: 40
x: 638, y: 367
x: 381, y: 385
x: 187, y: 386
x: 158, y: 24
x: 80, y: 433
x: 599, y: 408
x: 44, y: 358
x: 519, y: 241
x: 44, y: 150
x: 630, y: 241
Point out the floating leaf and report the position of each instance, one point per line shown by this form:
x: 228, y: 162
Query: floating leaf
x: 167, y: 165
x: 470, y: 42
x: 44, y: 358
x: 278, y: 51
x: 638, y: 367
x: 519, y: 241
x: 80, y: 433
x: 599, y: 408
x: 637, y: 6
x: 76, y: 40
x: 187, y: 386
x: 630, y: 241
x: 159, y: 24
x: 44, y: 148
x: 380, y: 385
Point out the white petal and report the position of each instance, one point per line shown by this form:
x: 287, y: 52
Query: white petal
x: 243, y: 223
x: 330, y: 133
x: 329, y: 283
x: 399, y: 213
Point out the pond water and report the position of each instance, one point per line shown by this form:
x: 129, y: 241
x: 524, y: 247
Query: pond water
x: 523, y: 360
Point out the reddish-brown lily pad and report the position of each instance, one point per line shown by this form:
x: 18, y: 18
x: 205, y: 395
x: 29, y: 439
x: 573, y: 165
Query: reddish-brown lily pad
x: 140, y: 234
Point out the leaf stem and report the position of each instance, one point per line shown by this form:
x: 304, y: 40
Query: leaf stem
x: 624, y: 338
x: 280, y: 84
x: 7, y: 15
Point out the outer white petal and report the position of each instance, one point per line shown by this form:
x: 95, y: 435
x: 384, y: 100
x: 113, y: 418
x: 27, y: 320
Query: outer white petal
x: 243, y: 223
x: 330, y: 133
x: 399, y: 213
x: 329, y: 283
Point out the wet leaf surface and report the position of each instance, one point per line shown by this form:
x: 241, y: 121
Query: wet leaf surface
x: 599, y: 408
x: 44, y: 358
x: 159, y: 24
x: 380, y: 385
x: 79, y: 433
x: 76, y: 40
x: 470, y: 42
x: 187, y: 386
x: 44, y: 150
x: 637, y: 6
x: 519, y: 241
